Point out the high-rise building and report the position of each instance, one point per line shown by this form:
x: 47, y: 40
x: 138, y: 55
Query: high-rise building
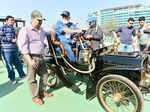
x: 119, y: 15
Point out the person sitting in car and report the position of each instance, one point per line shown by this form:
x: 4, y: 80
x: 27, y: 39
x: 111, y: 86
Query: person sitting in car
x: 64, y: 29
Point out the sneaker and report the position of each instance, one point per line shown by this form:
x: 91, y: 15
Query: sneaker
x: 22, y: 77
x: 13, y: 82
x: 75, y: 73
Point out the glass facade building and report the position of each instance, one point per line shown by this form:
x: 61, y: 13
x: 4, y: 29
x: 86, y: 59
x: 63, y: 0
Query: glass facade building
x: 119, y: 15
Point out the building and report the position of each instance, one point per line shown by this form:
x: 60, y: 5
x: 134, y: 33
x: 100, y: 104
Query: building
x: 119, y: 15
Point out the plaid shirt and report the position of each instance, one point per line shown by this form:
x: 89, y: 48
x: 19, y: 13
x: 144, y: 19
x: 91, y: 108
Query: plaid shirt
x: 7, y: 34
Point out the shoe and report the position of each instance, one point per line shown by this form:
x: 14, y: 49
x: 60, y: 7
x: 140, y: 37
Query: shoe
x: 22, y: 77
x: 37, y: 100
x: 13, y: 82
x: 75, y: 73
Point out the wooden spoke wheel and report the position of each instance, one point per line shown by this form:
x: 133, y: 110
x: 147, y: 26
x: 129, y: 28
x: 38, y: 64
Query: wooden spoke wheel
x: 118, y: 94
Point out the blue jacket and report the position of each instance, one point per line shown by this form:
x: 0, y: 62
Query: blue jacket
x: 60, y: 35
x: 7, y: 34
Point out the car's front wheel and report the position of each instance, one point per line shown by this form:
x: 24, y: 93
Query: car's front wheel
x: 116, y: 93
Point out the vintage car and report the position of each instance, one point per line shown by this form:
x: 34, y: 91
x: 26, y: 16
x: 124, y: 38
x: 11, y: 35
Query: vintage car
x: 116, y: 78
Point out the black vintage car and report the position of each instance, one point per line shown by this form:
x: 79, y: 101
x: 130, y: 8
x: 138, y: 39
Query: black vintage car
x: 116, y: 78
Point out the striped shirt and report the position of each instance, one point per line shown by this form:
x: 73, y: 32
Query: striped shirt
x: 7, y: 34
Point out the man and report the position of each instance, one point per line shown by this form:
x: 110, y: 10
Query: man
x: 64, y: 30
x: 95, y: 34
x: 31, y: 44
x: 9, y: 49
x: 143, y: 37
x: 126, y: 33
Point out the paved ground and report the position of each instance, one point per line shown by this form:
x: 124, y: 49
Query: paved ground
x: 16, y: 98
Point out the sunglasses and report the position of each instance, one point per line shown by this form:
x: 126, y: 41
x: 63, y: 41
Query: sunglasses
x: 131, y: 23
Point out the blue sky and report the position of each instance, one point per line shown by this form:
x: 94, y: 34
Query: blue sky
x: 51, y: 9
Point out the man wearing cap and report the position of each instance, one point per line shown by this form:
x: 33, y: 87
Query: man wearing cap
x: 94, y: 34
x: 31, y: 44
x: 64, y: 29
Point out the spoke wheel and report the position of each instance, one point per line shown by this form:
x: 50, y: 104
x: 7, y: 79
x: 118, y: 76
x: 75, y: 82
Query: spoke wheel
x: 118, y: 94
x: 53, y: 80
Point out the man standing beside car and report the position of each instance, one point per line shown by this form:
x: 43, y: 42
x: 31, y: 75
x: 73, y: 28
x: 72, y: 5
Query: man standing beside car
x: 31, y: 44
x: 127, y: 33
x: 142, y: 35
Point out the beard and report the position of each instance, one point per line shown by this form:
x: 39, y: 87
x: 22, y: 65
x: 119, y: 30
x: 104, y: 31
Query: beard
x: 65, y: 21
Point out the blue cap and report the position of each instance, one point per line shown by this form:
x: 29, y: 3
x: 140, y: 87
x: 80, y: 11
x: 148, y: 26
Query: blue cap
x: 65, y: 13
x: 92, y: 19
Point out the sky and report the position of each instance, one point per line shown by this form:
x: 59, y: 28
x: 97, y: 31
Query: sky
x: 51, y: 9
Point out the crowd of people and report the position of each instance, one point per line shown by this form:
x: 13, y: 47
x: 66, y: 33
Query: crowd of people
x: 128, y: 36
x: 31, y: 41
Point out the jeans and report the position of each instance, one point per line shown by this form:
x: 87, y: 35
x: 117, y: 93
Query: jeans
x: 125, y: 48
x: 68, y: 49
x: 12, y: 58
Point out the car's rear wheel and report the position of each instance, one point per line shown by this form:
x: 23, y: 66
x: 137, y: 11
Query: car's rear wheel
x: 118, y: 94
x: 53, y: 80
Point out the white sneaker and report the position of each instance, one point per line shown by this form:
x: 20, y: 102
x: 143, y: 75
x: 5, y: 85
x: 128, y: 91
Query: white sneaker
x: 14, y: 82
x: 23, y: 77
x: 75, y: 73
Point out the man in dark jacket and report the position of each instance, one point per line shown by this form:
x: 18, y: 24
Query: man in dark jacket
x: 127, y: 34
x: 10, y: 50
